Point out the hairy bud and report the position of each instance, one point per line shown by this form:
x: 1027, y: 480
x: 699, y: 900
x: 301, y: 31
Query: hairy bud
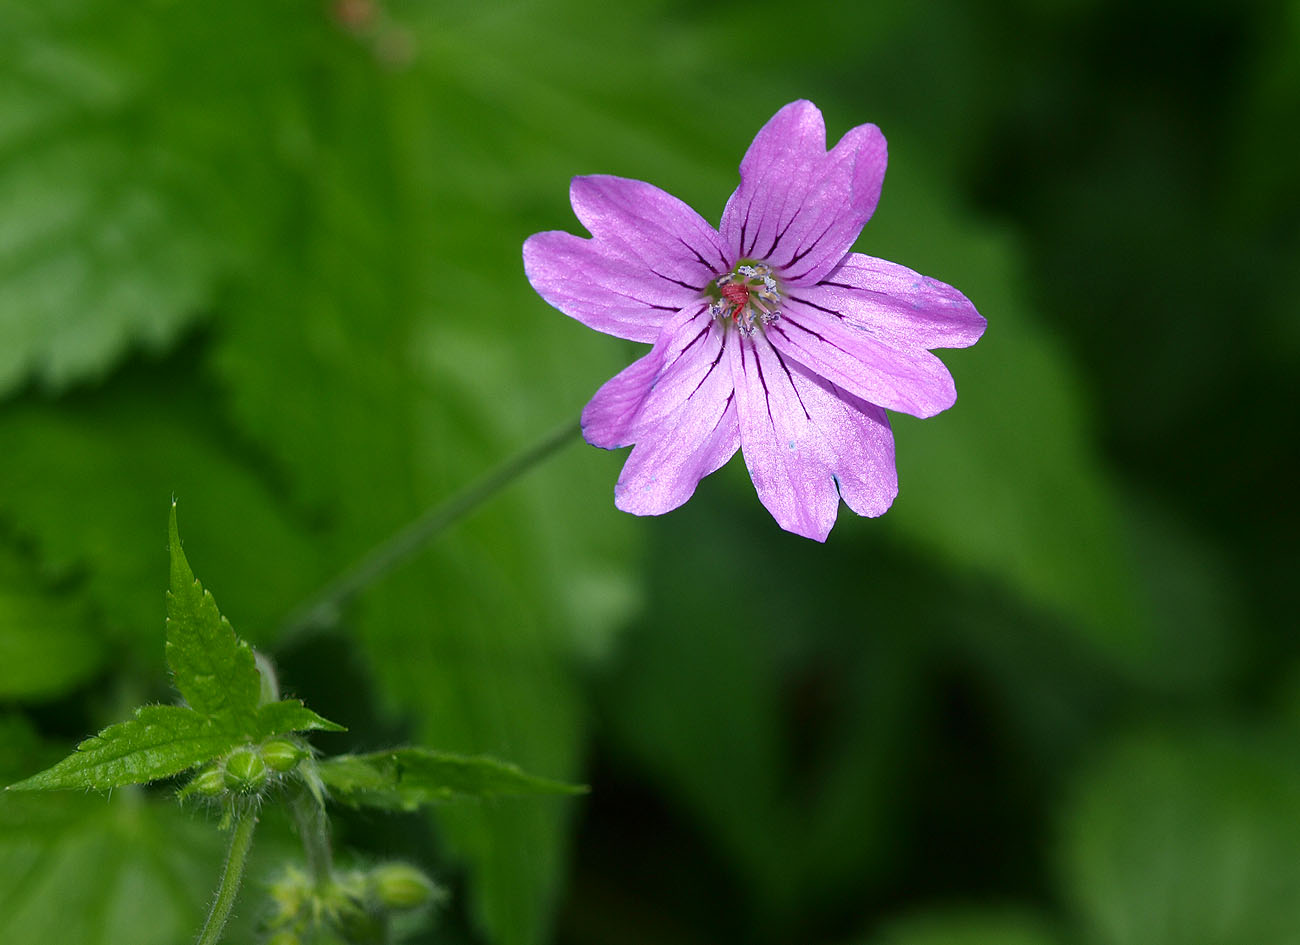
x: 282, y: 755
x: 399, y: 886
x: 246, y: 771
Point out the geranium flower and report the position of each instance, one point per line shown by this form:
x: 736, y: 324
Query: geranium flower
x: 769, y: 335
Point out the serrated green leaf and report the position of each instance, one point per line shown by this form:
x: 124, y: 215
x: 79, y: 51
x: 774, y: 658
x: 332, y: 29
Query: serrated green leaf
x: 213, y: 669
x: 290, y: 715
x: 407, y: 778
x: 102, y: 248
x: 160, y: 741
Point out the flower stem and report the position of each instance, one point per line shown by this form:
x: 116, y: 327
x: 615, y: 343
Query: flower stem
x: 322, y: 609
x: 241, y: 841
x: 314, y: 830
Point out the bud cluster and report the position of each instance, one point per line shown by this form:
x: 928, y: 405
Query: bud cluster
x: 354, y: 907
x: 248, y: 771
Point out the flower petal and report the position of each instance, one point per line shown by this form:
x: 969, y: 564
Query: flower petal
x: 797, y: 207
x: 672, y: 242
x: 650, y: 255
x: 610, y: 417
x: 868, y: 364
x: 686, y: 427
x: 807, y: 443
x: 888, y: 299
x: 599, y: 288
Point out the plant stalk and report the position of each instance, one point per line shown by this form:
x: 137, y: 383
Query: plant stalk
x: 241, y: 841
x: 314, y: 831
x: 322, y: 609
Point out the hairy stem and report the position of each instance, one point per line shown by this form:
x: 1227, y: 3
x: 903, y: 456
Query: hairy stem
x: 314, y: 830
x: 241, y: 841
x: 322, y: 609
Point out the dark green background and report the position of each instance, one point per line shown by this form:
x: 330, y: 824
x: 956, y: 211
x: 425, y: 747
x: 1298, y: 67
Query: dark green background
x: 265, y: 256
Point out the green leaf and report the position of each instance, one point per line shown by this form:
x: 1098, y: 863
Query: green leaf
x: 84, y: 479
x: 132, y: 870
x: 290, y: 715
x: 213, y: 669
x: 217, y: 674
x: 407, y: 778
x: 1187, y: 839
x: 160, y: 741
x: 102, y: 247
x: 48, y: 642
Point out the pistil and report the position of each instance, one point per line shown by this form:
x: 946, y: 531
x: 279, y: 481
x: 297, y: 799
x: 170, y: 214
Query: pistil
x: 748, y: 296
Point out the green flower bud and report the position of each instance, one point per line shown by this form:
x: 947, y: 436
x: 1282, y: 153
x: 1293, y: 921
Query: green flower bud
x: 246, y: 772
x: 398, y: 886
x: 209, y: 782
x: 282, y: 755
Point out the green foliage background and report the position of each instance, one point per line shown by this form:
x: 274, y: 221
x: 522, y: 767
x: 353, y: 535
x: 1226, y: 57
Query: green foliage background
x: 265, y: 257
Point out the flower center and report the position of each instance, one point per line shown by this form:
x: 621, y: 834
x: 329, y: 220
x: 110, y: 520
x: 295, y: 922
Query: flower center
x: 748, y: 296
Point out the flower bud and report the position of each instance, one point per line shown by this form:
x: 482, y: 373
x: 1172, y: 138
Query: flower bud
x: 246, y: 772
x: 398, y: 886
x: 209, y: 782
x: 282, y: 755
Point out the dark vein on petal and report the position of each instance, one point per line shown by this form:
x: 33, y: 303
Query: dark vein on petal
x: 804, y: 252
x: 718, y: 422
x: 721, y: 348
x: 684, y: 285
x: 776, y: 240
x: 694, y: 252
x: 749, y: 209
x: 623, y: 295
x: 821, y: 308
x: 703, y: 331
x: 700, y: 256
x: 767, y: 395
x: 798, y: 396
x: 820, y: 337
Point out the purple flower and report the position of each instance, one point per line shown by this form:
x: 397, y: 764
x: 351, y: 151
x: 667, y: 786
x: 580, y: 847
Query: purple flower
x: 769, y: 335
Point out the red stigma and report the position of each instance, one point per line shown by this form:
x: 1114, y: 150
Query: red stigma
x: 736, y: 294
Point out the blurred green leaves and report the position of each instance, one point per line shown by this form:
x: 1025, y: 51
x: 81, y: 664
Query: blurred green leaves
x: 47, y: 642
x: 100, y: 248
x: 1006, y: 482
x: 80, y: 869
x: 969, y: 927
x: 1189, y: 839
x: 407, y: 778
